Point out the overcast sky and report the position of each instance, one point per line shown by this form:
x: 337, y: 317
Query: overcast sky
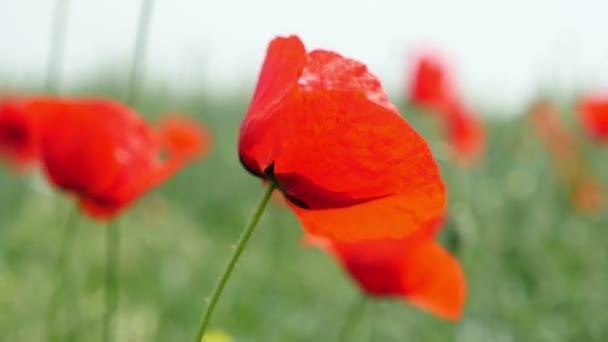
x: 503, y: 51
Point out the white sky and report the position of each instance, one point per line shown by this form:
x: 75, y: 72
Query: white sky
x: 503, y: 51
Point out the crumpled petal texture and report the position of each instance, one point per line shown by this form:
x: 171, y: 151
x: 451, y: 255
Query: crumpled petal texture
x: 337, y: 147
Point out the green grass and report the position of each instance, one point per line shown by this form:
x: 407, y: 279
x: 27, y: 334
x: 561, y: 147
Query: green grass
x: 536, y: 269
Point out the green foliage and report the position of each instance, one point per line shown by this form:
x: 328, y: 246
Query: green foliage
x: 536, y: 268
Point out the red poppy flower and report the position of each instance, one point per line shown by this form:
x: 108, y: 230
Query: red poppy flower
x: 416, y: 269
x: 351, y: 167
x: 18, y: 133
x: 466, y: 135
x: 430, y: 87
x: 593, y: 113
x: 104, y: 153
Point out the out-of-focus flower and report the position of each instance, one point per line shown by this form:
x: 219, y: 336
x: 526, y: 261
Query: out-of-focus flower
x: 545, y: 121
x: 593, y: 114
x: 18, y: 133
x: 416, y: 269
x: 430, y: 87
x: 184, y: 137
x: 105, y: 154
x: 351, y: 167
x: 586, y: 193
x: 466, y: 135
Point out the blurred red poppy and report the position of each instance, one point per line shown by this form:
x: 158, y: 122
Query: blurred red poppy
x: 416, y: 269
x: 585, y: 191
x: 466, y: 135
x: 593, y: 113
x: 18, y: 133
x: 430, y: 87
x: 545, y: 121
x: 351, y: 167
x: 184, y: 137
x: 105, y: 154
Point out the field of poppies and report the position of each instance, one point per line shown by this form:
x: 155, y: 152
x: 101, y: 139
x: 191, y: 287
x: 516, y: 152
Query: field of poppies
x: 318, y: 206
x: 534, y: 265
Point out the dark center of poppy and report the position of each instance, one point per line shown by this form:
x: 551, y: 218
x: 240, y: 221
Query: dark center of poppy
x: 14, y: 134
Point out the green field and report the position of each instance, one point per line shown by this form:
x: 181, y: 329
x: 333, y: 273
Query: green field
x: 537, y: 270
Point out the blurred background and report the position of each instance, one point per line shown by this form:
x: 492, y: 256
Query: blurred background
x: 535, y: 262
x: 505, y: 52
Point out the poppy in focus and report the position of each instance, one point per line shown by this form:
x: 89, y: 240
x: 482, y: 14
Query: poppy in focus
x: 465, y: 135
x: 416, y: 268
x: 430, y: 86
x: 105, y: 154
x: 18, y: 133
x: 593, y: 113
x: 322, y: 128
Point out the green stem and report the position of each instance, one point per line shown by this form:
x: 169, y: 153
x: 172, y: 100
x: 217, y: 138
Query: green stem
x: 352, y: 317
x: 139, y: 54
x: 57, y: 48
x: 217, y: 292
x: 59, y: 269
x: 111, y: 281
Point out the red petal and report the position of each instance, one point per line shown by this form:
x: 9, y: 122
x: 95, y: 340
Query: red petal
x: 374, y: 264
x: 466, y: 135
x: 327, y: 70
x: 594, y: 116
x: 430, y: 87
x: 267, y: 125
x: 349, y: 150
x: 389, y: 217
x: 77, y: 151
x: 18, y: 132
x: 184, y: 137
x: 109, y: 206
x: 433, y: 280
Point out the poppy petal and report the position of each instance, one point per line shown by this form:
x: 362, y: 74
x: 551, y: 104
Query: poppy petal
x: 352, y: 150
x: 68, y: 131
x: 109, y: 206
x: 184, y: 137
x: 594, y: 116
x: 265, y: 120
x: 18, y: 133
x: 466, y: 135
x: 433, y: 280
x: 388, y: 217
x: 327, y: 70
x: 430, y: 87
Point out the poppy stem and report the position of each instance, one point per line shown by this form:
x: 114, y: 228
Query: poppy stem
x: 139, y: 54
x: 217, y: 292
x: 60, y: 270
x: 111, y: 281
x: 352, y: 317
x: 57, y: 45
